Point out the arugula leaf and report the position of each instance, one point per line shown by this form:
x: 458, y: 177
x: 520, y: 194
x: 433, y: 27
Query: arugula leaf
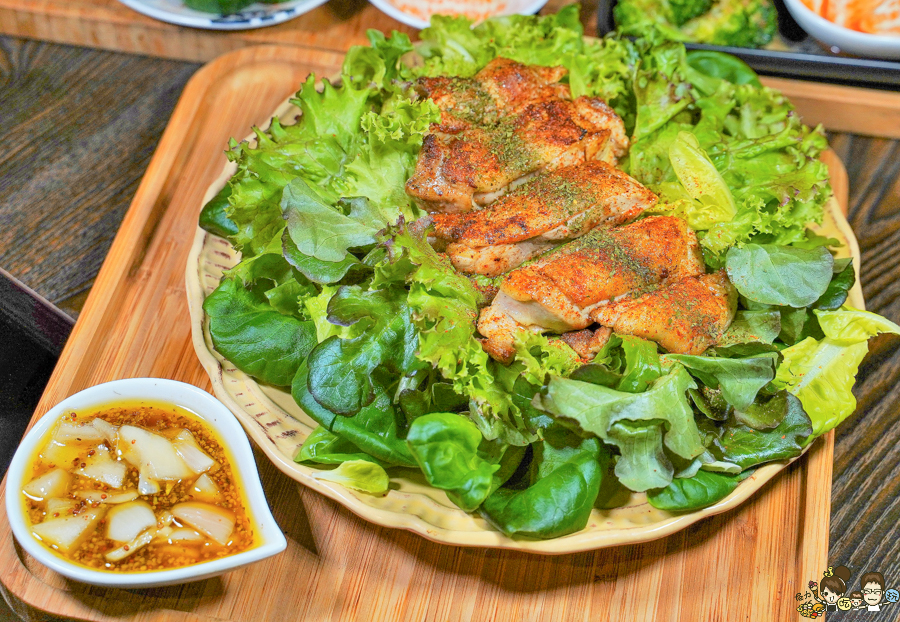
x: 256, y: 338
x: 362, y: 475
x: 746, y: 447
x: 780, y: 275
x: 740, y: 379
x: 340, y: 376
x: 446, y: 447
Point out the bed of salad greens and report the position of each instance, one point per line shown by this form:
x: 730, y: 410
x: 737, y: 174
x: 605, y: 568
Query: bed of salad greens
x: 339, y: 296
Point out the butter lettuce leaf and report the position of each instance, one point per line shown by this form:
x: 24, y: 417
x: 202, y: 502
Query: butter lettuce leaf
x: 821, y: 373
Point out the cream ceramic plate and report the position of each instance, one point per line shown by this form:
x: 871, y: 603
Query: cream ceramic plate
x: 279, y: 427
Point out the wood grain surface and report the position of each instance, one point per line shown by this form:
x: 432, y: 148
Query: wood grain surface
x: 63, y: 112
x: 338, y: 567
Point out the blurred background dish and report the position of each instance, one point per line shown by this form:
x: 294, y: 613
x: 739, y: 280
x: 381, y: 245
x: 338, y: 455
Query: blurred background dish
x: 256, y: 15
x: 417, y: 13
x: 844, y: 39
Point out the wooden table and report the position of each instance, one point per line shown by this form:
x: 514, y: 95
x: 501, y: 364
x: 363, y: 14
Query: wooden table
x: 67, y: 113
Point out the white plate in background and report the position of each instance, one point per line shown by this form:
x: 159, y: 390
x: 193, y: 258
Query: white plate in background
x: 257, y: 15
x: 416, y: 13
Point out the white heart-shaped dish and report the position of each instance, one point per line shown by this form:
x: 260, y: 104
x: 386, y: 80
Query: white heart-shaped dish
x: 268, y: 541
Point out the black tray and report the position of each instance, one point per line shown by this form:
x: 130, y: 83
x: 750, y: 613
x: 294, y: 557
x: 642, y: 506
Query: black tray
x: 805, y: 58
x: 32, y: 334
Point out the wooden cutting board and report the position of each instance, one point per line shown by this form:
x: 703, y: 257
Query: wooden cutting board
x: 742, y: 565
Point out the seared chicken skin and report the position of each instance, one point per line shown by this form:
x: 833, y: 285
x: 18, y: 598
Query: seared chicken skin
x: 456, y: 172
x: 687, y: 317
x: 502, y: 88
x: 559, y: 291
x: 555, y: 206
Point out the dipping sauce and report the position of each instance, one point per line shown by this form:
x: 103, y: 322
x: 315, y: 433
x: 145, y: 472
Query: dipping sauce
x: 135, y: 487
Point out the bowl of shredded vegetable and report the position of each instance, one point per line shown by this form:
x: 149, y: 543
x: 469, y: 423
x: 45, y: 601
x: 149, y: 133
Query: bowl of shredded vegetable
x: 859, y: 27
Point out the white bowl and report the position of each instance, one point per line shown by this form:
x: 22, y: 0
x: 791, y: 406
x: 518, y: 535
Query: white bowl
x: 844, y: 39
x: 511, y: 7
x: 270, y: 540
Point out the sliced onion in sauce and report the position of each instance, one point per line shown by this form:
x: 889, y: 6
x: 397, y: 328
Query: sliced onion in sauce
x: 67, y: 533
x: 125, y: 522
x: 212, y: 520
x: 53, y: 483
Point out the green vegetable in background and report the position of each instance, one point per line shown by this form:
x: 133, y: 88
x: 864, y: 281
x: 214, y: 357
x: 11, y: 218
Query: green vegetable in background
x: 723, y: 66
x: 737, y: 23
x: 219, y: 7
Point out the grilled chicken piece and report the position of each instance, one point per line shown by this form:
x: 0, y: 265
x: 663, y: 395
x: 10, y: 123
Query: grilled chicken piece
x: 555, y: 206
x: 587, y: 343
x: 502, y: 88
x: 687, y: 317
x: 558, y: 291
x: 456, y: 172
